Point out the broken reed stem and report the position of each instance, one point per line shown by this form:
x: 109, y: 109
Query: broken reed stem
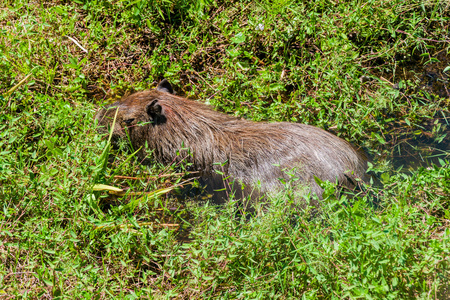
x: 152, y: 176
x: 127, y: 226
x: 11, y: 90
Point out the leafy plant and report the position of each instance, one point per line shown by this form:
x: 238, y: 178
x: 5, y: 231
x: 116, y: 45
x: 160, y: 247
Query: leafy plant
x: 374, y: 73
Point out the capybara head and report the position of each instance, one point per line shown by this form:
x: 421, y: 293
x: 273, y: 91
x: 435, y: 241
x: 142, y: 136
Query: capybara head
x: 254, y: 153
x: 133, y: 112
x: 167, y: 124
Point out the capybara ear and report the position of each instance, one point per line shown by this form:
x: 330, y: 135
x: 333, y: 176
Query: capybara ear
x: 165, y: 86
x: 154, y: 110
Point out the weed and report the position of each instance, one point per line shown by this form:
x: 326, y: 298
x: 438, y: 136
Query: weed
x: 374, y: 73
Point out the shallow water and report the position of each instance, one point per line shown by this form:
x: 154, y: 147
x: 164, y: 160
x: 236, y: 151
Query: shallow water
x: 411, y: 148
x: 414, y: 145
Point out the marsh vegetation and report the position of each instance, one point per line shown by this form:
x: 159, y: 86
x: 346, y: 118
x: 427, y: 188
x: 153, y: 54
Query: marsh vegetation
x: 80, y: 219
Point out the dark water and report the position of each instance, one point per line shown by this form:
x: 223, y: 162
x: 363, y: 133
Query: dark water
x: 410, y: 147
x: 429, y: 71
x: 422, y: 143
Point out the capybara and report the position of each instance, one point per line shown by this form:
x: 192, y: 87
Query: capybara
x: 254, y: 154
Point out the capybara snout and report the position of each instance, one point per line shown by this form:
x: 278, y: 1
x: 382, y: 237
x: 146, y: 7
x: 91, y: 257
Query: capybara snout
x: 255, y: 154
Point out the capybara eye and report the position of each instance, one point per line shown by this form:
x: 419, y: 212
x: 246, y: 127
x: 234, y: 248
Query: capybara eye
x: 129, y: 121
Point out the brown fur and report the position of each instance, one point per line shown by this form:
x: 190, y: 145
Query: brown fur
x: 254, y: 152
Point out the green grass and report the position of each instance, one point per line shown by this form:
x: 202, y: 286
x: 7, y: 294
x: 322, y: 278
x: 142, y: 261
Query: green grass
x: 363, y: 70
